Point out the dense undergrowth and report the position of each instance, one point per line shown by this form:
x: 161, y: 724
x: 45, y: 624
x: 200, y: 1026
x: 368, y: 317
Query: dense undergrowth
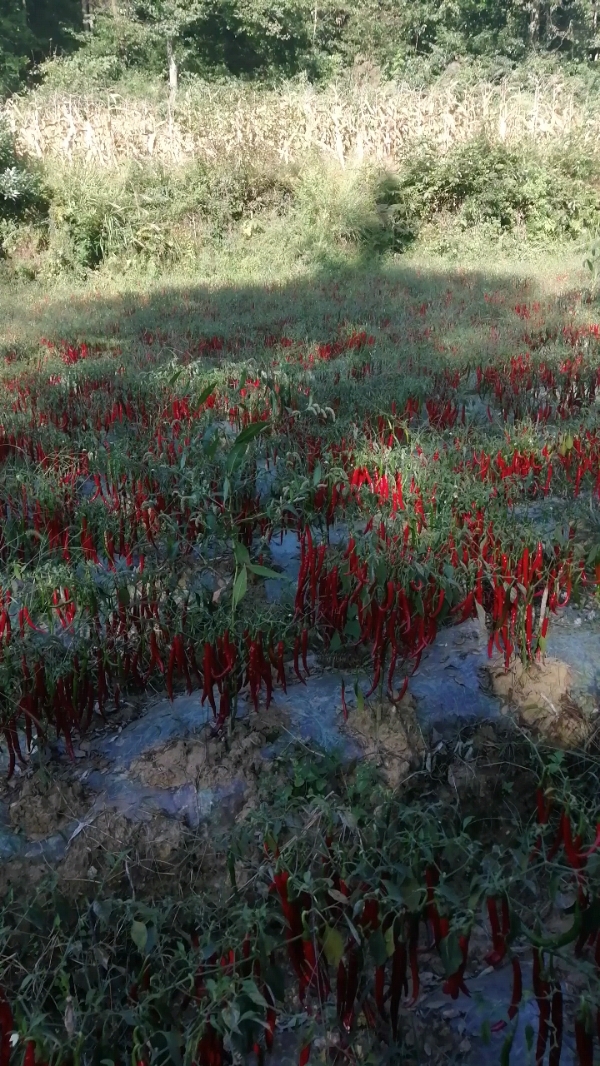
x: 73, y: 218
x: 321, y: 915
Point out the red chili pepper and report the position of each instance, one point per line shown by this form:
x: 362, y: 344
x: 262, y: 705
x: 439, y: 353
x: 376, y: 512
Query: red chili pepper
x: 376, y: 678
x: 525, y: 568
x: 456, y: 982
x: 528, y: 628
x: 405, y: 609
x: 304, y: 1055
x: 466, y: 607
x: 294, y: 931
x: 280, y: 667
x: 543, y: 808
x: 155, y: 659
x: 210, y: 1048
x: 571, y: 846
x: 537, y: 562
x: 181, y: 660
x: 29, y: 1057
x: 498, y: 938
x: 7, y: 1026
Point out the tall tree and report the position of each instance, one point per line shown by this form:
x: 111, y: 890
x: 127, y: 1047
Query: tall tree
x: 171, y: 20
x: 16, y: 43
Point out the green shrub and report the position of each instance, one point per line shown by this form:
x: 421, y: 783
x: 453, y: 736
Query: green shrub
x: 485, y: 183
x: 153, y: 212
x: 21, y: 189
x: 159, y: 214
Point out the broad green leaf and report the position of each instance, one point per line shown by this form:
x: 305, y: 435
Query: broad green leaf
x: 263, y: 571
x: 412, y: 894
x: 450, y: 953
x: 139, y: 935
x: 203, y: 396
x: 242, y: 555
x: 360, y: 699
x: 255, y: 994
x: 250, y: 432
x: 377, y: 947
x: 240, y: 586
x: 333, y: 945
x: 175, y: 375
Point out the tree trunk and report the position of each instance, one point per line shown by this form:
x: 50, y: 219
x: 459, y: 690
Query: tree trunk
x: 173, y: 71
x: 534, y: 22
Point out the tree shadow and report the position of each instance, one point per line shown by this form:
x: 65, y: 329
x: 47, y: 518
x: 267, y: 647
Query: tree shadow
x: 423, y: 313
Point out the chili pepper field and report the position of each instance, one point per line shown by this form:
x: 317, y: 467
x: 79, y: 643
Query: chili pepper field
x: 298, y: 669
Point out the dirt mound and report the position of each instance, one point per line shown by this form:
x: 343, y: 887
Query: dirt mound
x: 390, y: 735
x: 108, y: 844
x: 209, y: 761
x: 45, y: 806
x: 540, y: 692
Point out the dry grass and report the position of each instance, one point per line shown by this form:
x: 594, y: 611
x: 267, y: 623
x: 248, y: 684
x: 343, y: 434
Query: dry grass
x: 374, y: 123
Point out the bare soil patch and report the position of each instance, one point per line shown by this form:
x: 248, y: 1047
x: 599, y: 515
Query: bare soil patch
x: 540, y: 692
x: 390, y: 735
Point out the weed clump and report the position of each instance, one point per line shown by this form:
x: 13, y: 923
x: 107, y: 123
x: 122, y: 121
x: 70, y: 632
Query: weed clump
x: 22, y: 194
x: 484, y: 183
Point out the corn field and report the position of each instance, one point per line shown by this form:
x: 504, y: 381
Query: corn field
x: 374, y: 123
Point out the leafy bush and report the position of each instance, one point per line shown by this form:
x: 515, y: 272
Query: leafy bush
x: 22, y: 194
x: 163, y: 214
x: 153, y: 212
x: 486, y: 183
